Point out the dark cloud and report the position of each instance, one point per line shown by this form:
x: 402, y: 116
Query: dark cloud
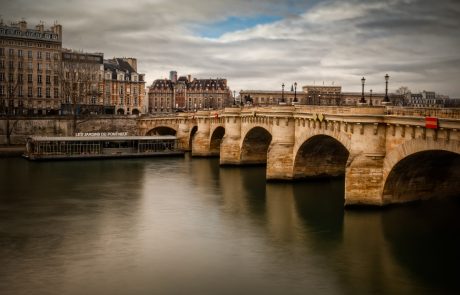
x: 415, y: 41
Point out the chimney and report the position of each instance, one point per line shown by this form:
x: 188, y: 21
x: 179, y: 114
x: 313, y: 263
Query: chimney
x: 57, y: 29
x: 132, y: 62
x: 39, y: 27
x: 23, y: 25
x: 189, y: 77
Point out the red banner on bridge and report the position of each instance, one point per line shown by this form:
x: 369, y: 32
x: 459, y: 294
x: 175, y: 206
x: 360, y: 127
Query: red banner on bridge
x: 431, y: 122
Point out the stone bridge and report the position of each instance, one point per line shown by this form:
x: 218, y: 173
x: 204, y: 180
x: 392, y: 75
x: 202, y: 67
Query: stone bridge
x: 387, y: 154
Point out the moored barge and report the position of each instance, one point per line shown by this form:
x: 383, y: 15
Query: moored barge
x: 101, y: 147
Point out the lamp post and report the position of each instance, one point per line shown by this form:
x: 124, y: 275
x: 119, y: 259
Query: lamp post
x: 282, y: 93
x: 386, y: 99
x: 370, y: 98
x: 295, y: 92
x: 362, y: 100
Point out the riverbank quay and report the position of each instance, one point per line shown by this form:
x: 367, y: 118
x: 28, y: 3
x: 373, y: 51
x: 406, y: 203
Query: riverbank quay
x: 7, y: 151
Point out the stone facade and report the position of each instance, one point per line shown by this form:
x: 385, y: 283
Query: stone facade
x: 187, y: 94
x: 123, y: 87
x: 23, y: 127
x: 29, y: 64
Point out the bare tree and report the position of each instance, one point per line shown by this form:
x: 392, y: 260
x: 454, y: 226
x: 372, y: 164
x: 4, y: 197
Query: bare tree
x: 405, y: 92
x: 79, y: 80
x: 12, y: 90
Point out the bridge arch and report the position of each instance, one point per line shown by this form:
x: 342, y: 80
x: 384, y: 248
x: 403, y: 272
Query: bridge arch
x: 217, y: 136
x: 191, y: 136
x: 254, y: 147
x: 421, y: 169
x: 161, y: 130
x: 320, y: 156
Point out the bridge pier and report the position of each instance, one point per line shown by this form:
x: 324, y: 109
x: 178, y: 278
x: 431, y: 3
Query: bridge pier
x: 230, y: 151
x: 200, y: 145
x: 280, y: 161
x: 364, y: 180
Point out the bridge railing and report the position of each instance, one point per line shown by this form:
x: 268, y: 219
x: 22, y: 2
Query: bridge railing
x: 444, y: 113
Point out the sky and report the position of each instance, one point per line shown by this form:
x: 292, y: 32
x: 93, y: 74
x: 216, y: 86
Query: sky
x: 260, y: 44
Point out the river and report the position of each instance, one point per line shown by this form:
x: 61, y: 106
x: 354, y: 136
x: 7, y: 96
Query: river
x: 188, y: 226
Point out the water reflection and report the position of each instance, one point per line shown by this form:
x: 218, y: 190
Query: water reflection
x: 185, y: 225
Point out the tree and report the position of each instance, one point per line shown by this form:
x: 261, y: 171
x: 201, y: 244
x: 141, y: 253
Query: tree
x: 79, y: 80
x: 11, y: 88
x: 405, y: 92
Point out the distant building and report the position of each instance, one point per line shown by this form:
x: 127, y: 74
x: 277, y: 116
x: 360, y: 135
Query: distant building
x: 123, y: 88
x: 270, y: 97
x: 185, y: 94
x: 29, y: 63
x: 427, y: 99
x: 316, y: 95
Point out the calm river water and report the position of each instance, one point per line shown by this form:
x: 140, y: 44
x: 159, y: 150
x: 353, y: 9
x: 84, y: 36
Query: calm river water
x: 187, y: 226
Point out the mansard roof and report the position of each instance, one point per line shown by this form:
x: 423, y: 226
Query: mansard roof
x: 163, y: 84
x: 118, y: 64
x: 195, y: 84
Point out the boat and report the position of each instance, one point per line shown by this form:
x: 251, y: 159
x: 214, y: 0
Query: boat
x: 100, y: 147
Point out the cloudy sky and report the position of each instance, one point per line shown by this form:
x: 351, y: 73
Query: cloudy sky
x: 259, y: 44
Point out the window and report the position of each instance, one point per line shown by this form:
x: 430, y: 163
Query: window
x: 30, y: 91
x: 39, y: 91
x: 56, y: 80
x: 2, y: 64
x: 48, y: 67
x: 11, y: 64
x: 39, y: 66
x: 2, y: 51
x: 20, y: 53
x: 48, y: 55
x: 30, y: 66
x: 39, y: 77
x: 48, y: 79
x: 2, y: 90
x: 29, y: 54
x: 2, y: 77
x: 48, y: 92
x: 39, y: 54
x: 11, y: 52
x: 29, y: 78
x: 10, y: 77
x: 20, y: 91
x: 20, y: 78
x: 56, y: 92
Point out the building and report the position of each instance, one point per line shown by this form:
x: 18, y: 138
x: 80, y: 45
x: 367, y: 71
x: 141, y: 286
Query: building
x: 30, y: 59
x: 81, y: 80
x: 270, y: 97
x: 427, y: 99
x: 123, y: 87
x: 316, y: 95
x: 187, y: 94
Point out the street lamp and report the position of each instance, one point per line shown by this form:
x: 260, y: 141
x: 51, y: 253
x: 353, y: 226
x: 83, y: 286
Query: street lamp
x: 282, y: 92
x: 385, y: 99
x: 295, y: 91
x: 370, y: 98
x: 362, y: 100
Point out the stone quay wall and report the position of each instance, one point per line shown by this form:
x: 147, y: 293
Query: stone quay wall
x: 23, y: 127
